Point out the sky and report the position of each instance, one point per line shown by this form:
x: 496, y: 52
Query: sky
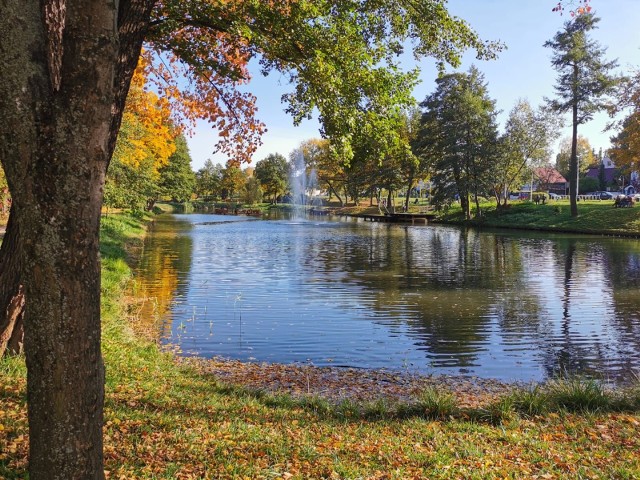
x: 523, y: 70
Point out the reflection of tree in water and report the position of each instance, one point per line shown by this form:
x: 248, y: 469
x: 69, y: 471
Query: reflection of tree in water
x: 623, y: 273
x: 563, y: 355
x: 579, y: 340
x: 162, y: 272
x: 443, y: 283
x: 458, y: 291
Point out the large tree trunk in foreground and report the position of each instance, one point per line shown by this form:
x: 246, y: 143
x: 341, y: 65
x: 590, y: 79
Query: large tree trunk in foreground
x: 56, y: 98
x: 66, y: 70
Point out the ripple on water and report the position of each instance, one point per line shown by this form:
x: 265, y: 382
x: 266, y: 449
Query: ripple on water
x: 500, y: 305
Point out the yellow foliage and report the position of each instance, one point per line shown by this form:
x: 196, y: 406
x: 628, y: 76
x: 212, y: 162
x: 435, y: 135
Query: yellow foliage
x: 147, y: 133
x: 625, y: 151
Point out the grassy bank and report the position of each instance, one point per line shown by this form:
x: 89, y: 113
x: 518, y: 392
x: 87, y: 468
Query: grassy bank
x: 594, y: 217
x: 170, y: 420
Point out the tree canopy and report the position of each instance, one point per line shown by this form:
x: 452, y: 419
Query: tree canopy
x: 459, y: 137
x: 341, y: 59
x: 273, y: 174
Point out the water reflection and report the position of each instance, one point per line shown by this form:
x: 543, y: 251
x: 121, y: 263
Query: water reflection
x: 433, y: 299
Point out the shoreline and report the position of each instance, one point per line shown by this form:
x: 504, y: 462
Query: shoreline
x: 338, y: 384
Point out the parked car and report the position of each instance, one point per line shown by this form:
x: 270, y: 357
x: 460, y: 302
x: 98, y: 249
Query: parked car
x: 554, y: 196
x: 602, y: 195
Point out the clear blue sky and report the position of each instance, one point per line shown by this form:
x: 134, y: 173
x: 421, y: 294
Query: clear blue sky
x: 523, y: 70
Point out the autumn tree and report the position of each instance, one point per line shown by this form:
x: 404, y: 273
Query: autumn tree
x: 66, y: 70
x: 584, y: 83
x: 458, y: 138
x: 232, y: 181
x: 576, y: 7
x: 144, y: 145
x: 328, y: 167
x: 625, y: 144
x: 584, y: 154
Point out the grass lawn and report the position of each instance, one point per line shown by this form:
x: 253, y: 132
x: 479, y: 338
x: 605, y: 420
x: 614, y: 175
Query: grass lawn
x: 168, y: 420
x: 594, y: 217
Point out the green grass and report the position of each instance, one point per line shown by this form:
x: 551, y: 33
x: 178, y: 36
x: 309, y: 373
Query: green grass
x: 167, y: 420
x: 594, y: 217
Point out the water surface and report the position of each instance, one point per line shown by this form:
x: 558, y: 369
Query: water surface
x: 429, y: 299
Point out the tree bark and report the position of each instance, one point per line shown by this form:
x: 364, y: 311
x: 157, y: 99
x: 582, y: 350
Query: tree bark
x: 408, y: 195
x: 11, y: 291
x: 57, y: 87
x: 67, y: 67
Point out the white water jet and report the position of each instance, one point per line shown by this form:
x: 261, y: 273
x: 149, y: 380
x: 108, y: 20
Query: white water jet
x: 303, y: 186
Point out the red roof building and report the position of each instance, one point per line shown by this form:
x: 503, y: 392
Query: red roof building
x: 551, y: 180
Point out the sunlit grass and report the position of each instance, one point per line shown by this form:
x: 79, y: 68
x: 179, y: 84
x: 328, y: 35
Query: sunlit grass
x: 595, y: 217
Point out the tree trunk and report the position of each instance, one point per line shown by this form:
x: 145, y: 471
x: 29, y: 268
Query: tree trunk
x: 62, y: 90
x: 57, y: 90
x: 573, y: 164
x: 11, y: 291
x: 408, y: 195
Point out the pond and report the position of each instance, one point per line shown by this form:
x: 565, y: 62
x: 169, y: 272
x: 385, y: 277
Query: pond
x: 509, y: 305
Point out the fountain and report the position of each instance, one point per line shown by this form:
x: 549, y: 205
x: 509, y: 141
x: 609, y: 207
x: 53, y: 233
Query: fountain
x: 303, y: 186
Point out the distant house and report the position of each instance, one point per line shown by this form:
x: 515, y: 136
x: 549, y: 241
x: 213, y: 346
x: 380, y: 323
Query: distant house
x: 613, y: 177
x: 551, y: 180
x: 609, y: 171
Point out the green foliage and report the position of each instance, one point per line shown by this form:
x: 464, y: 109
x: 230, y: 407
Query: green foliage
x: 252, y: 192
x: 458, y: 137
x: 341, y: 57
x: 602, y: 179
x: 584, y: 76
x: 584, y: 151
x: 273, y: 174
x: 177, y: 180
x: 209, y: 180
x: 526, y: 142
x: 131, y: 187
x: 232, y: 181
x: 589, y: 184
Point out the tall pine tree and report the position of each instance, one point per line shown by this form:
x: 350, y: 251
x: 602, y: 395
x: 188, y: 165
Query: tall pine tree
x: 585, y: 81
